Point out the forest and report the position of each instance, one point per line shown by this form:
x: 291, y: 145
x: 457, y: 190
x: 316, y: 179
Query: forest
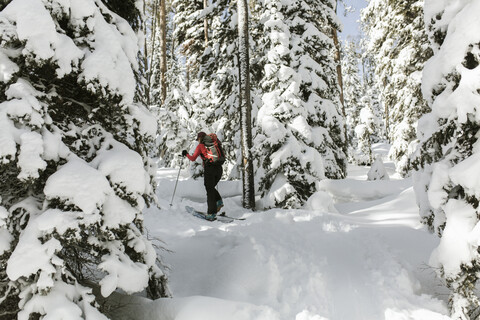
x: 350, y: 162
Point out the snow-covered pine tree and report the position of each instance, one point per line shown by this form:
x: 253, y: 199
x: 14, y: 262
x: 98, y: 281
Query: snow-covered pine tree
x: 447, y: 185
x: 372, y: 92
x: 300, y: 130
x: 73, y: 159
x: 162, y: 25
x: 150, y: 10
x: 353, y: 90
x: 361, y: 94
x: 377, y: 171
x: 175, y: 126
x: 216, y: 89
x: 157, y: 49
x: 192, y: 32
x: 372, y: 101
x: 364, y: 131
x: 173, y: 114
x: 372, y: 98
x: 399, y: 46
x: 219, y: 79
x: 189, y: 34
x: 152, y: 52
x: 258, y: 59
x: 213, y: 91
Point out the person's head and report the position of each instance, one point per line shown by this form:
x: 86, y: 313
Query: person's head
x: 200, y: 136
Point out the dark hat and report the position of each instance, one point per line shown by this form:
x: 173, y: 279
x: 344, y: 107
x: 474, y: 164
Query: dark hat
x: 201, y: 134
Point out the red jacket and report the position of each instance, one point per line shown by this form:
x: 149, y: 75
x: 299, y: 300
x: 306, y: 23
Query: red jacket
x: 199, y: 151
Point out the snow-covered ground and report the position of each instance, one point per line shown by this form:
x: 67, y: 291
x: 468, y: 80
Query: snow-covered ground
x: 368, y: 260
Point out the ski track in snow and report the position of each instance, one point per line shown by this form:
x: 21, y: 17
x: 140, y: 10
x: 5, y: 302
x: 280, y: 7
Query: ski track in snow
x: 366, y: 261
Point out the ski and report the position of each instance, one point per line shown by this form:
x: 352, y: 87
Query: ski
x: 223, y: 215
x: 203, y: 215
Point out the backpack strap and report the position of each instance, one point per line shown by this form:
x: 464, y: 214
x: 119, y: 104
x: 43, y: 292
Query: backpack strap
x: 214, y: 137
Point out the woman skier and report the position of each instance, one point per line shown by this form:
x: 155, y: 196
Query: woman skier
x: 210, y: 150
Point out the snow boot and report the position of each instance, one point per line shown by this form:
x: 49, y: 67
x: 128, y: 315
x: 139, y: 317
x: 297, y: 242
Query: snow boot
x: 211, y: 217
x: 219, y: 205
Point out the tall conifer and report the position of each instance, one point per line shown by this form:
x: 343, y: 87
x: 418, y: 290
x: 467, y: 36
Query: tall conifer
x: 300, y: 128
x: 448, y: 157
x: 73, y: 158
x: 398, y: 44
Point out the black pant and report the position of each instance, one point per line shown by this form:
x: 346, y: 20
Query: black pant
x: 212, y: 174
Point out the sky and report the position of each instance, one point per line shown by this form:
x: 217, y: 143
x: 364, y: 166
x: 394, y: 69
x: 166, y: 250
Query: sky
x: 351, y: 25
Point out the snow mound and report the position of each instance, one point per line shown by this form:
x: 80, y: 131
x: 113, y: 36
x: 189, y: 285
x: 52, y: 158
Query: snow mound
x: 320, y: 201
x: 349, y: 190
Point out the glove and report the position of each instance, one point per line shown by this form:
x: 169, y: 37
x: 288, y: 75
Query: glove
x: 184, y: 153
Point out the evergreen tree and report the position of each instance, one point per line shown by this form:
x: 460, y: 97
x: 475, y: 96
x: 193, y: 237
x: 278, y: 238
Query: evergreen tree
x: 189, y: 32
x: 176, y: 128
x: 448, y: 157
x: 353, y: 89
x: 151, y: 63
x: 300, y: 130
x: 399, y: 46
x: 364, y: 132
x: 162, y: 25
x: 213, y: 89
x: 363, y: 108
x: 73, y: 159
x: 220, y: 79
x: 173, y: 113
x: 377, y: 171
x: 195, y: 31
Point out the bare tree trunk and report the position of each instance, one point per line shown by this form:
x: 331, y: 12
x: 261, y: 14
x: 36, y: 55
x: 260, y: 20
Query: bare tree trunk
x: 205, y: 23
x: 151, y: 54
x: 245, y: 106
x: 387, y: 112
x: 172, y: 50
x: 145, y: 57
x: 163, y: 50
x: 339, y: 67
x: 339, y: 76
x: 188, y: 77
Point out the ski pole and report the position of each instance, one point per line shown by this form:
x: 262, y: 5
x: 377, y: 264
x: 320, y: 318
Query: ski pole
x: 175, y: 189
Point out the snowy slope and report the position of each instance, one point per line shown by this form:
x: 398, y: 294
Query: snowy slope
x: 366, y: 261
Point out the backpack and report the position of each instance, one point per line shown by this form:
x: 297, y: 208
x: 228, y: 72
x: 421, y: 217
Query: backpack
x: 215, y: 154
